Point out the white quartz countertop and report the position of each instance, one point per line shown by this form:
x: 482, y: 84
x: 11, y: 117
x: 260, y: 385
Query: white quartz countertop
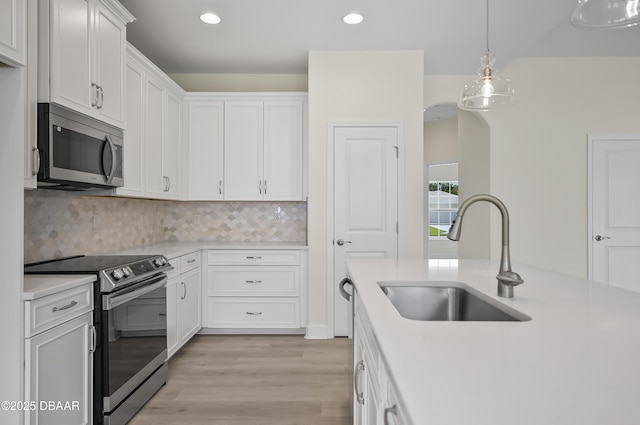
x: 38, y: 286
x: 175, y: 249
x: 576, y: 362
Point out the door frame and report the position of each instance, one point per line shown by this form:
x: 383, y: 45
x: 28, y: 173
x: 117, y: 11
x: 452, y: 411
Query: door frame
x: 332, y: 126
x: 591, y: 139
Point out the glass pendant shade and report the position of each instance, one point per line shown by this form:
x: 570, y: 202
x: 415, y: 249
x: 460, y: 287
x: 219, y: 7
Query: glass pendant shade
x: 488, y: 91
x: 606, y: 14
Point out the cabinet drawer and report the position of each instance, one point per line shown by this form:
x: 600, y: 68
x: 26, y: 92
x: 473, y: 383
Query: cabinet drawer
x: 190, y: 261
x: 46, y: 312
x: 229, y: 312
x: 257, y: 281
x: 249, y: 257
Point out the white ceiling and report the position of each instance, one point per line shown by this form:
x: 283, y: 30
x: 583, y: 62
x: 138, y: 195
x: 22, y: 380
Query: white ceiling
x: 275, y: 36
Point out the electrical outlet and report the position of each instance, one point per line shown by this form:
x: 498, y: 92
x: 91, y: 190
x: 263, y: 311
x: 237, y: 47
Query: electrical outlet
x: 95, y: 221
x: 277, y: 215
x: 196, y: 219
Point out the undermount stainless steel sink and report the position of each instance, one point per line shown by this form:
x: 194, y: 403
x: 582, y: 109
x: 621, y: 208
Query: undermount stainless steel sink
x: 447, y: 301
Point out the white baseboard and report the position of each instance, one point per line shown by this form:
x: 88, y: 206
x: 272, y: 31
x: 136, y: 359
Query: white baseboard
x: 248, y: 331
x: 317, y: 332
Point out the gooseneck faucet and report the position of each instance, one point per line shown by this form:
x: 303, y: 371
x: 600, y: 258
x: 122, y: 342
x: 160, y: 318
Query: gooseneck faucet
x: 507, y: 278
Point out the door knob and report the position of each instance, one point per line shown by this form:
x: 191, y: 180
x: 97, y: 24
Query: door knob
x: 341, y: 242
x: 601, y: 238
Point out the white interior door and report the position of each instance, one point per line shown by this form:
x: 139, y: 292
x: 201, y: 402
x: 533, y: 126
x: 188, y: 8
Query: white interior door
x: 365, y: 203
x: 615, y: 211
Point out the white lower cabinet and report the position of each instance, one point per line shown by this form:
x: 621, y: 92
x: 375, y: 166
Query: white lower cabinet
x: 59, y: 345
x: 256, y: 289
x: 375, y: 397
x: 184, y: 318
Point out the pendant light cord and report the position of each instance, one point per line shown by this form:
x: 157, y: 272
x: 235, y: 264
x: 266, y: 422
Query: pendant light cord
x: 487, y: 24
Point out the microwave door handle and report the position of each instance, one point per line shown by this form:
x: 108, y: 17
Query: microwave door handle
x: 112, y: 171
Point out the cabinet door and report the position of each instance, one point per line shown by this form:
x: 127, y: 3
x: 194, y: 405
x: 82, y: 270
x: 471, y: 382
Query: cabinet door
x: 70, y: 61
x: 154, y: 132
x: 171, y: 146
x: 134, y: 163
x: 12, y: 31
x: 243, y: 135
x: 109, y: 68
x: 172, y: 316
x: 283, y: 143
x: 205, y: 150
x: 59, y: 369
x: 190, y: 305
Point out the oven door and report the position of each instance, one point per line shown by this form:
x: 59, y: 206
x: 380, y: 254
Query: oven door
x: 134, y: 338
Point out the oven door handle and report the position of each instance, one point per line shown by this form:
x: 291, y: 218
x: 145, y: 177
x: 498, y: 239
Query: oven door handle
x: 114, y: 300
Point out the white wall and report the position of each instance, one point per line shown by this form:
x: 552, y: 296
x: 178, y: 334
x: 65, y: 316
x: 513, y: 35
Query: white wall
x: 371, y: 86
x: 538, y: 149
x: 441, y: 141
x: 12, y: 134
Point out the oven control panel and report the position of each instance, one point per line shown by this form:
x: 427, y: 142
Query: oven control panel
x: 126, y: 274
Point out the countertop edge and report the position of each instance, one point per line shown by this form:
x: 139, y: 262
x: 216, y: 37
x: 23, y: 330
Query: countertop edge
x: 38, y: 286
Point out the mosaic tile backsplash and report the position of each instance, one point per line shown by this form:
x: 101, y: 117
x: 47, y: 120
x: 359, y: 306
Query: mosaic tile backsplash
x: 60, y: 224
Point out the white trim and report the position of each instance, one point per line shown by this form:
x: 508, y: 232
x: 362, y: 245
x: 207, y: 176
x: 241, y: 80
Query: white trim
x: 318, y: 332
x: 330, y: 195
x: 590, y: 201
x: 251, y: 331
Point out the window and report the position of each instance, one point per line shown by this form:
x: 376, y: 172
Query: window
x: 443, y: 206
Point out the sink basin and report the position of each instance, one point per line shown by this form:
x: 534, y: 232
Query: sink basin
x: 447, y: 301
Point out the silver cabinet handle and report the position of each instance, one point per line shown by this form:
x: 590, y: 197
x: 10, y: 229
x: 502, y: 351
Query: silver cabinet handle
x: 254, y: 257
x: 168, y: 183
x: 193, y: 260
x: 94, y: 341
x: 265, y: 187
x: 356, y: 380
x: 393, y: 410
x: 253, y: 281
x: 220, y: 187
x: 260, y: 187
x: 601, y: 238
x: 254, y: 313
x: 100, y: 97
x: 94, y: 95
x: 36, y: 167
x: 66, y: 307
x: 184, y: 291
x: 341, y: 242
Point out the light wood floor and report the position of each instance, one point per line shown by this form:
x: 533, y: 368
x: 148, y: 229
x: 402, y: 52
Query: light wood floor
x: 251, y: 380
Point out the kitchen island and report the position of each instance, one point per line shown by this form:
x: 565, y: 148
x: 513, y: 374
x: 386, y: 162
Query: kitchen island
x: 575, y: 362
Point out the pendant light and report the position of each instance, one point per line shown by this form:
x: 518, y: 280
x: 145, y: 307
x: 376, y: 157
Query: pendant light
x: 606, y: 14
x: 488, y: 91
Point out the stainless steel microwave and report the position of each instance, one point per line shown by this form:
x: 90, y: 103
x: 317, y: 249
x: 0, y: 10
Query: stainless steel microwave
x: 77, y: 152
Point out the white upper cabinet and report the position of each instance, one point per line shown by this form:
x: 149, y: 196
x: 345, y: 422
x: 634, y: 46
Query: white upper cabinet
x: 282, y: 151
x: 153, y: 137
x: 245, y: 146
x: 263, y: 150
x: 243, y: 139
x: 82, y: 56
x: 12, y: 32
x: 204, y: 170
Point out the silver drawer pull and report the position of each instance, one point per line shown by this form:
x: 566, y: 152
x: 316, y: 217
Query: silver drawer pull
x: 254, y: 257
x: 253, y: 281
x: 254, y: 313
x: 193, y: 260
x: 163, y: 314
x: 68, y: 306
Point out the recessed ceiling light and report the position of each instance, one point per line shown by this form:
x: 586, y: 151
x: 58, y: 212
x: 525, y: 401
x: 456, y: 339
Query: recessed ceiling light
x: 353, y: 18
x: 210, y: 18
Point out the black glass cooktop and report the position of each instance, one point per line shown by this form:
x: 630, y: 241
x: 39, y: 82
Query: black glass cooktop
x: 85, y: 264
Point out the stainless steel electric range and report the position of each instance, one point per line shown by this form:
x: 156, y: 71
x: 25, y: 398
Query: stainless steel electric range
x: 131, y: 329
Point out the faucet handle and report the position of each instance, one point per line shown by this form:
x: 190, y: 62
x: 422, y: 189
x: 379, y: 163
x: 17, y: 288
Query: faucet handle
x: 510, y: 278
